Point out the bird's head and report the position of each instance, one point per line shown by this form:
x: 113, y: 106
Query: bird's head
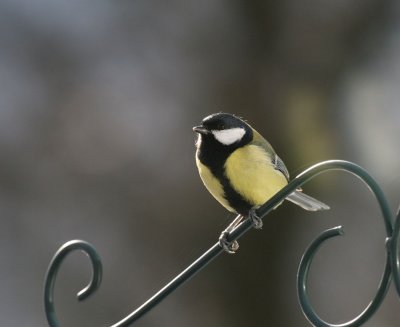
x: 226, y: 129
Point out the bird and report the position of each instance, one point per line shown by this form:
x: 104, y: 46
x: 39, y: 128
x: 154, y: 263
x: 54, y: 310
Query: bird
x: 241, y: 170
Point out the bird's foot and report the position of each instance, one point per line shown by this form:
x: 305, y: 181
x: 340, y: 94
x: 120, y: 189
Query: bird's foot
x: 255, y: 220
x: 229, y: 246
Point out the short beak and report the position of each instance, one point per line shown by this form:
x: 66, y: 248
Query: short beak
x: 201, y: 130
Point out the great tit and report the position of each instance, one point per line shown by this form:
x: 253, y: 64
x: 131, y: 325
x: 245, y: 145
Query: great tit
x: 240, y: 168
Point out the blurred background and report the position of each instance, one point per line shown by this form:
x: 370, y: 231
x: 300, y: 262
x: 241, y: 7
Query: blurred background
x: 97, y: 102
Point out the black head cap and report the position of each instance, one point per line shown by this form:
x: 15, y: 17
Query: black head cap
x: 220, y: 121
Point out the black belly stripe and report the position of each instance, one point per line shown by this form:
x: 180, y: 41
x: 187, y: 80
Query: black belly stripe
x: 214, y: 156
x: 235, y: 200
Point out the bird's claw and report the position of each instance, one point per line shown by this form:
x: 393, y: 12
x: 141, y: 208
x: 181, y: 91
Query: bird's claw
x: 255, y: 220
x: 229, y: 246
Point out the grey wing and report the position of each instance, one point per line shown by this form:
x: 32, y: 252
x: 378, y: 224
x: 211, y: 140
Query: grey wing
x: 303, y: 200
x: 276, y: 161
x: 279, y: 165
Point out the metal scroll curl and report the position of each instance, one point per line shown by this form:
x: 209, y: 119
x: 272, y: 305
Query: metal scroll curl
x: 50, y: 279
x: 306, y: 260
x: 392, y: 266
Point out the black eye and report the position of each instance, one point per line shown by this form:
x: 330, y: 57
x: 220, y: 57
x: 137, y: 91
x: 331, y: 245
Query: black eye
x: 220, y: 126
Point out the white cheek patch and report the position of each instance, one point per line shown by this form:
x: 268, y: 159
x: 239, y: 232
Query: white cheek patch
x: 229, y: 136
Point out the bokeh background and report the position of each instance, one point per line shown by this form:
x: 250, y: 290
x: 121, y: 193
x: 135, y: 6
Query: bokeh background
x: 97, y: 102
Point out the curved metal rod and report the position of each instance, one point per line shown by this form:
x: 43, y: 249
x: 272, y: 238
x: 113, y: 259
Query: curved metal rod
x: 394, y: 245
x: 302, y: 285
x: 216, y: 250
x: 310, y: 252
x: 325, y: 166
x: 50, y: 279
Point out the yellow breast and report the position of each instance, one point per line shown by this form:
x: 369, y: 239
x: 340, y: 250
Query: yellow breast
x: 252, y: 175
x: 212, y: 184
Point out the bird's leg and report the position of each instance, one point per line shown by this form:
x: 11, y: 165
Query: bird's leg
x: 255, y: 220
x: 233, y: 246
